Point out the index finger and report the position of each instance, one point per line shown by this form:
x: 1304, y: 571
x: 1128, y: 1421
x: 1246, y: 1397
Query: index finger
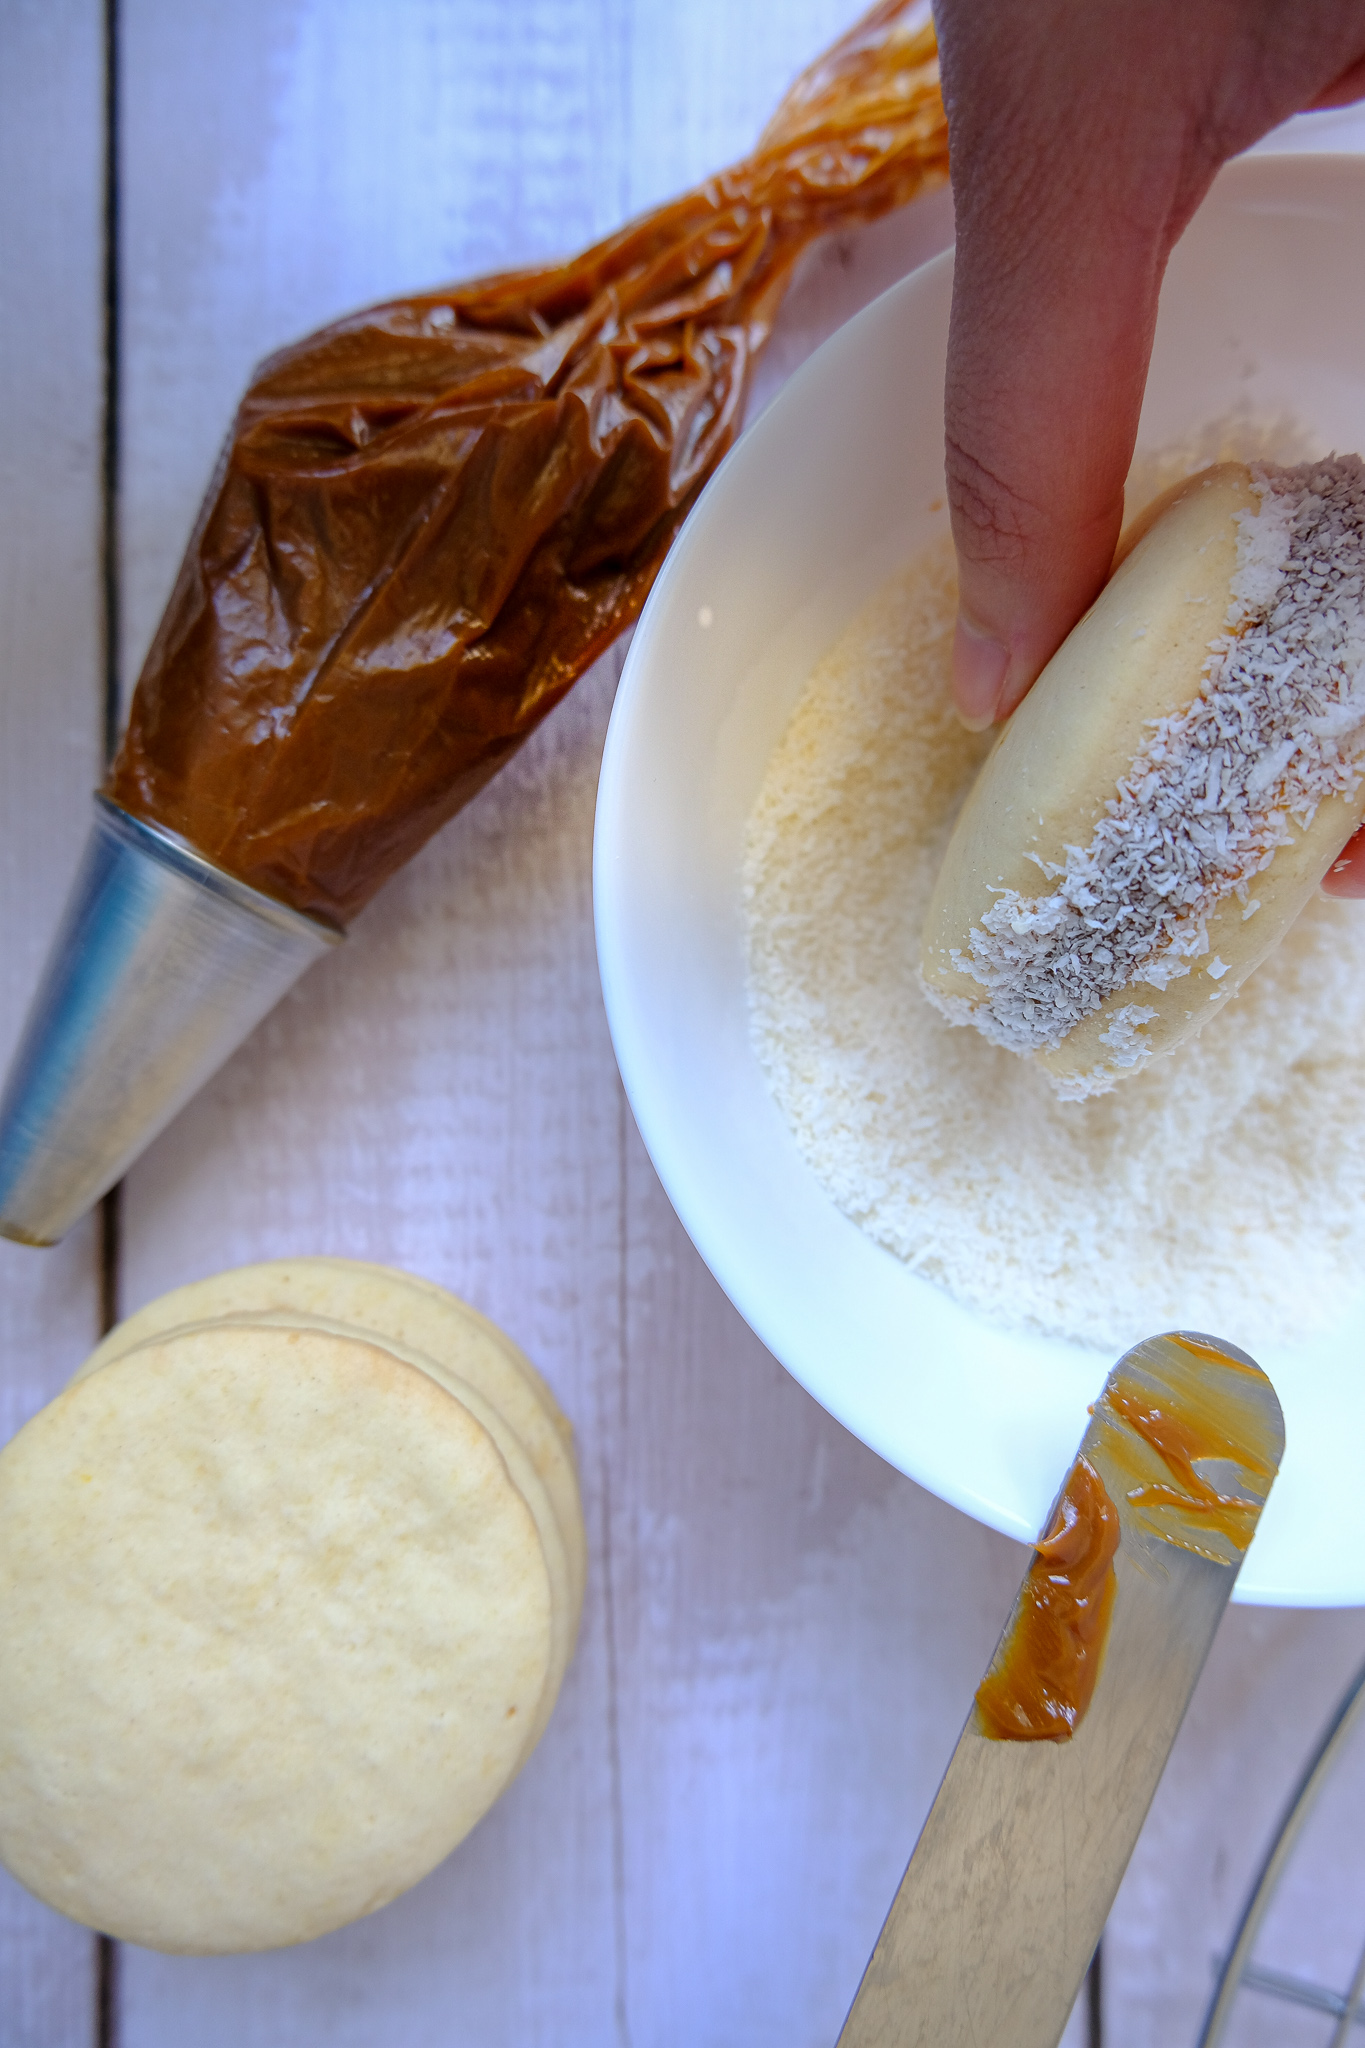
x: 1064, y: 202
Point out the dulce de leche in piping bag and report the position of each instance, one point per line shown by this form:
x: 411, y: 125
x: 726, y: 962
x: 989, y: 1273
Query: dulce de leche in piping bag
x: 429, y: 520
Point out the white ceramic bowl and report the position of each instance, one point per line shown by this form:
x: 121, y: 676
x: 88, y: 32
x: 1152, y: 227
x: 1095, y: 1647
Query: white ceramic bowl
x: 838, y: 483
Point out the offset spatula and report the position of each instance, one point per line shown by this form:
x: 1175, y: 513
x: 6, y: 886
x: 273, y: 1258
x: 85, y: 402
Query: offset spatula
x: 1012, y: 1879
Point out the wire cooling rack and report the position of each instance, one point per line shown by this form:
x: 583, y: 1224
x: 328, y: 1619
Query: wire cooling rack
x: 1247, y: 1978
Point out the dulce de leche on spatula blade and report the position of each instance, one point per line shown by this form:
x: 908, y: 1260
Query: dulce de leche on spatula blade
x: 996, y: 1919
x: 429, y: 520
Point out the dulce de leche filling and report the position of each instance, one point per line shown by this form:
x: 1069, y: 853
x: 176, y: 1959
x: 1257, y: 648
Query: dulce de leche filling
x: 1044, y: 1673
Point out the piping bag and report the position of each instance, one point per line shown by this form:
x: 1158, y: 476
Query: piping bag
x: 430, y: 518
x: 1011, y: 1882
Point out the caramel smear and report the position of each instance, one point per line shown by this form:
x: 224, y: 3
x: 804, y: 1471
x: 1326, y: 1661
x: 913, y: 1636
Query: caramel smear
x: 1212, y: 1449
x: 1044, y: 1673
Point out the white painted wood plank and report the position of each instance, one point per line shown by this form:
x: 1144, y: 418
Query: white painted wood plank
x: 51, y: 385
x: 443, y: 1093
x: 441, y: 1096
x: 803, y: 1630
x: 802, y: 1633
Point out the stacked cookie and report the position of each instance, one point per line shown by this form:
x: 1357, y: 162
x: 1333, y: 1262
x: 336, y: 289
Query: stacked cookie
x: 290, y: 1575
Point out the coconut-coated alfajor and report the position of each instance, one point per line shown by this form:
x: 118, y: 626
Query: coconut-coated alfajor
x: 1175, y: 786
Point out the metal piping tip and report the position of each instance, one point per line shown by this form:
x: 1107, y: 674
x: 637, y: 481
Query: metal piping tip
x: 161, y: 967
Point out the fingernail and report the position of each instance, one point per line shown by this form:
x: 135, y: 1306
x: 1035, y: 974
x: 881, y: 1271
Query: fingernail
x: 979, y: 665
x: 1346, y: 876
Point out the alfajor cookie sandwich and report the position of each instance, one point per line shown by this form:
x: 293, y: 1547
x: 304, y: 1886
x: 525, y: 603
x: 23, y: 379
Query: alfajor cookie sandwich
x: 289, y: 1579
x: 1175, y: 786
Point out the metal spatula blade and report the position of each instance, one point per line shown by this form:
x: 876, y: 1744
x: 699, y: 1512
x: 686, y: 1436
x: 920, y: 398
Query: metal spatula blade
x: 998, y: 1914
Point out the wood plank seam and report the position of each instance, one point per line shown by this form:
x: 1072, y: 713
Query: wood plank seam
x: 106, y: 1951
x: 607, y: 1438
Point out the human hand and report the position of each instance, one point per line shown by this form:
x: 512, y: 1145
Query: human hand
x: 1084, y: 133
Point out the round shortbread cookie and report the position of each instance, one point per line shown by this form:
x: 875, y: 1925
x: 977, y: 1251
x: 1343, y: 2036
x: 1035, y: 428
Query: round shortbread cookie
x: 564, y: 1605
x: 273, y: 1621
x: 401, y: 1309
x: 433, y: 1329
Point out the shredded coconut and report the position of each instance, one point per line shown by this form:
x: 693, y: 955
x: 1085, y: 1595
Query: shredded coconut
x: 1279, y: 724
x: 1221, y: 1188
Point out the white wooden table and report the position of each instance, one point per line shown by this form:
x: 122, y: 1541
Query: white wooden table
x: 781, y: 1634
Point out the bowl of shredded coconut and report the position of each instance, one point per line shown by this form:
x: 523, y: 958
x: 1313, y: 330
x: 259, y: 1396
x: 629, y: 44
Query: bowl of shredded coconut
x: 946, y: 1254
